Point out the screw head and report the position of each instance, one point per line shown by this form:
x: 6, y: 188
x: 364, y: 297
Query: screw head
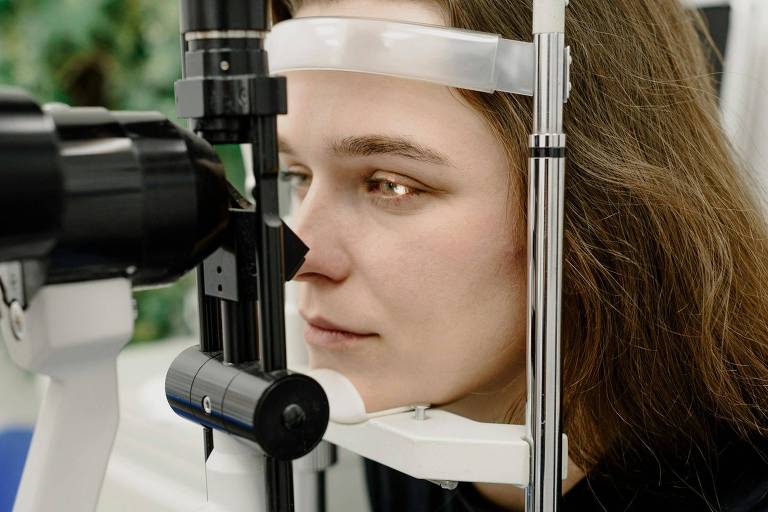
x: 17, y: 320
x: 207, y: 406
x: 420, y: 412
x: 294, y: 417
x: 449, y: 484
x: 224, y: 65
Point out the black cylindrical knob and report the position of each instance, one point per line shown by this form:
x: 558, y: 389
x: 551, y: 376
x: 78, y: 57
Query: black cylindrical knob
x: 284, y: 413
x: 207, y: 15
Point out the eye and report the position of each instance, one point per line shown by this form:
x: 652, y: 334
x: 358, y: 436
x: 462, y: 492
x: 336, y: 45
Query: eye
x: 390, y: 189
x: 384, y: 188
x: 298, y: 181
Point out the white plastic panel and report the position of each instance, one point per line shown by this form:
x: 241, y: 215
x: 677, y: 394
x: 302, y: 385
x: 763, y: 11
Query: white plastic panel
x: 447, y: 56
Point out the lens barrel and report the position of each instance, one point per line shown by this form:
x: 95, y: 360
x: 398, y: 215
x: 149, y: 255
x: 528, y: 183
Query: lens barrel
x: 102, y: 194
x: 31, y: 182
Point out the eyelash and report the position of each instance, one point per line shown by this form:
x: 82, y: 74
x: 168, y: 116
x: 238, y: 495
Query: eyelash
x: 371, y: 185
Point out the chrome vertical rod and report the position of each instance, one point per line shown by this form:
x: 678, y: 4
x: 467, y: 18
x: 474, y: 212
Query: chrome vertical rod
x: 545, y: 237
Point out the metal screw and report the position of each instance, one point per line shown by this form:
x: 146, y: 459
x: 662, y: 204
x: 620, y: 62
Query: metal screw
x: 224, y: 65
x: 18, y: 321
x: 420, y: 412
x: 446, y: 484
x: 207, y: 407
x: 294, y: 416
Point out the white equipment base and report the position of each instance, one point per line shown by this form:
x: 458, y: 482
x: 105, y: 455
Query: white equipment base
x: 444, y: 447
x: 234, y: 478
x: 74, y: 334
x: 441, y: 446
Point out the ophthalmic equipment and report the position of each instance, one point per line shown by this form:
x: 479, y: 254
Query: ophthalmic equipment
x: 93, y: 203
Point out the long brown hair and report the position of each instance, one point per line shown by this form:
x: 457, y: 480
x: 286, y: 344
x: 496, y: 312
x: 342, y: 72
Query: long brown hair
x: 665, y: 321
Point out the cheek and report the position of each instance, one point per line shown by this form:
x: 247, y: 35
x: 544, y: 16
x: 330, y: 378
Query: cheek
x: 452, y: 290
x: 445, y: 259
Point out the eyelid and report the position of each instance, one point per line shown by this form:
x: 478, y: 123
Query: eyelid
x: 400, y: 179
x: 300, y: 179
x: 292, y: 171
x: 392, y: 201
x: 297, y: 181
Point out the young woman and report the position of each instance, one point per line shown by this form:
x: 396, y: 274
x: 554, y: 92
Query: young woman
x: 412, y: 197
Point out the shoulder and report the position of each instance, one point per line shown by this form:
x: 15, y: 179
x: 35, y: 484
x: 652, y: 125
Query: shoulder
x: 734, y: 480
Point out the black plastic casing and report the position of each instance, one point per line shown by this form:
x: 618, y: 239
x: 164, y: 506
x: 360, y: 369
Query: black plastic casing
x: 284, y: 413
x: 31, y: 181
x: 204, y: 15
x: 141, y: 194
x: 225, y: 83
x: 93, y: 194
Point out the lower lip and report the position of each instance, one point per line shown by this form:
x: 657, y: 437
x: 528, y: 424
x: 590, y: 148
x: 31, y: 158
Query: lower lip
x: 331, y: 339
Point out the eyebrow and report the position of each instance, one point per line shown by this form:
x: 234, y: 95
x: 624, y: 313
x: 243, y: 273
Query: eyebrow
x: 369, y: 145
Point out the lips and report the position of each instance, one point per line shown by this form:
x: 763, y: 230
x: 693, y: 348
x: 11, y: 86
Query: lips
x: 322, y: 323
x: 324, y: 333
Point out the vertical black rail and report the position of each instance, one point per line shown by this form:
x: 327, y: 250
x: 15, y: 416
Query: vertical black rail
x: 271, y: 288
x: 239, y: 331
x: 271, y: 271
x: 210, y: 317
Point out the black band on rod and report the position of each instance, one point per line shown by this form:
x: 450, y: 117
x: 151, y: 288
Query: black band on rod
x: 547, y: 152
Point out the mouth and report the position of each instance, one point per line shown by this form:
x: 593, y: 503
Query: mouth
x: 324, y: 333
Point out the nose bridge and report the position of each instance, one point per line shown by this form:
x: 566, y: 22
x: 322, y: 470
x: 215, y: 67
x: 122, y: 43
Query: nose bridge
x: 312, y: 217
x: 317, y: 221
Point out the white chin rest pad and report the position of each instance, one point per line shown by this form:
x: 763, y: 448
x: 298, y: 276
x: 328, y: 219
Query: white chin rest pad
x: 346, y: 404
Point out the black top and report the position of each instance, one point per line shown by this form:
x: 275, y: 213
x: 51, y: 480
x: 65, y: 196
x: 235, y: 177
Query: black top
x: 736, y: 482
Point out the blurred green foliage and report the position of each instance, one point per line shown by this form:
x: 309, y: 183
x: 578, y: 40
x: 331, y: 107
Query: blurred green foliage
x: 119, y: 54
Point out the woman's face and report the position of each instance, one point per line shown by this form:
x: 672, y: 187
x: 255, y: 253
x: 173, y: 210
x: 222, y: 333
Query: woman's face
x: 402, y: 194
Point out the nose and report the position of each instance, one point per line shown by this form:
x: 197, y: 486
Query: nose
x: 316, y: 220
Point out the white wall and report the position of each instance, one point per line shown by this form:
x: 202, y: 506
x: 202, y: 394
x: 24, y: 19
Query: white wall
x: 745, y: 85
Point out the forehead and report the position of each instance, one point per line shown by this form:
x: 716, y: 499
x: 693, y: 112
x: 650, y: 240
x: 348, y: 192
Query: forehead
x: 324, y: 106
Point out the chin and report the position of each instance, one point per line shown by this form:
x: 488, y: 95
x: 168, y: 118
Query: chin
x: 381, y: 389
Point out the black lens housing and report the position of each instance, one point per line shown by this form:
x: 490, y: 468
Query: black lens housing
x: 100, y: 194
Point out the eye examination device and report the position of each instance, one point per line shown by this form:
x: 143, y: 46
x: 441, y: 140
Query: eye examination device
x: 95, y: 203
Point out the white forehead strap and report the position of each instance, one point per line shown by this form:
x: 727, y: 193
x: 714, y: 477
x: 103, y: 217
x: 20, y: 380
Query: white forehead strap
x: 447, y: 56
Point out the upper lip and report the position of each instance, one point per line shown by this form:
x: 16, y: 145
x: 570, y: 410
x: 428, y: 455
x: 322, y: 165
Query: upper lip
x: 322, y: 323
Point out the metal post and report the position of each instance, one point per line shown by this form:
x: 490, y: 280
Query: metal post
x: 545, y: 235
